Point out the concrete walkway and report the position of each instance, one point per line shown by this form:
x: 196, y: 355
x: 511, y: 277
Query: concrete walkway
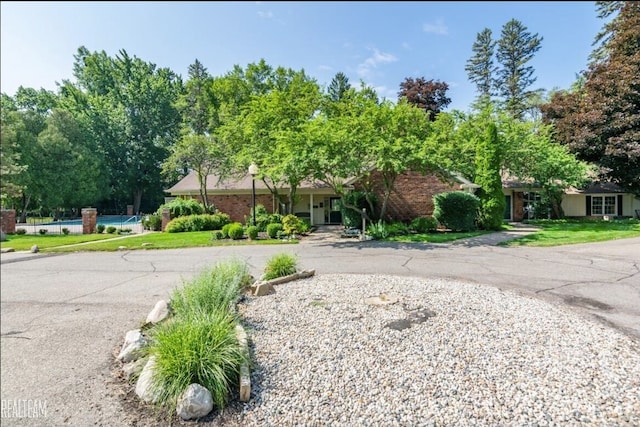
x: 64, y: 315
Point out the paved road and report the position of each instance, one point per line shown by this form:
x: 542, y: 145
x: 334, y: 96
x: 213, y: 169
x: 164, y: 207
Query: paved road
x: 62, y: 316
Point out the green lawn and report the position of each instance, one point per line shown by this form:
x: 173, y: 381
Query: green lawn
x: 566, y: 232
x: 168, y: 241
x: 437, y: 237
x: 25, y: 241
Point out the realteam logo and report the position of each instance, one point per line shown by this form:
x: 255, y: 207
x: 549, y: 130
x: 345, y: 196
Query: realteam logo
x: 24, y: 408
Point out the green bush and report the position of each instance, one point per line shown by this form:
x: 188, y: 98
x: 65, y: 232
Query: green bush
x: 182, y: 207
x: 124, y: 231
x: 225, y: 230
x: 100, y: 228
x: 43, y: 231
x: 217, y: 235
x: 152, y: 222
x: 21, y: 231
x: 397, y: 229
x: 200, y: 222
x: 201, y: 349
x: 252, y: 232
x: 291, y: 225
x: 378, y: 230
x: 424, y: 224
x: 456, y: 210
x: 236, y: 231
x: 273, y: 229
x: 280, y: 265
x: 111, y: 229
x: 65, y: 231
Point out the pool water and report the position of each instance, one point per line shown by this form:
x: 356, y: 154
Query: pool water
x: 106, y: 220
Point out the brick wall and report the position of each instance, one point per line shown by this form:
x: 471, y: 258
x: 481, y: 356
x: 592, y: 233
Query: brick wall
x: 518, y: 206
x: 238, y: 206
x: 412, y: 195
x: 8, y: 221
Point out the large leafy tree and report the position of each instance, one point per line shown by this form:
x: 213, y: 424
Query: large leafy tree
x: 480, y: 67
x: 429, y: 95
x: 144, y: 122
x: 600, y: 120
x: 515, y: 49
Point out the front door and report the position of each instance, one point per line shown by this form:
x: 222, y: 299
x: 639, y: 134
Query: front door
x: 335, y: 214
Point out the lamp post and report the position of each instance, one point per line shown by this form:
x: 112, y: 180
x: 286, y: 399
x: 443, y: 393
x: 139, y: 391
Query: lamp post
x: 253, y: 171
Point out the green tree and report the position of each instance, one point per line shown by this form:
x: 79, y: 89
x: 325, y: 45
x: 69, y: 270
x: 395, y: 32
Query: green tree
x: 338, y: 87
x: 488, y: 166
x: 138, y: 100
x: 480, y: 67
x: 515, y: 49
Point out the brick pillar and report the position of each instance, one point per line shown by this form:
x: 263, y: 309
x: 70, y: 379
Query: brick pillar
x: 130, y: 210
x: 89, y: 220
x: 166, y: 217
x: 8, y: 221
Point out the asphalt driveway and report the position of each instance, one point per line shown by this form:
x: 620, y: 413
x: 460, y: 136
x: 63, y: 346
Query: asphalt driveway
x: 62, y: 316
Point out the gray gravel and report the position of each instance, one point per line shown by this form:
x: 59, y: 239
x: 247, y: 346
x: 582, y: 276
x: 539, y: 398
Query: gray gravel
x: 468, y: 355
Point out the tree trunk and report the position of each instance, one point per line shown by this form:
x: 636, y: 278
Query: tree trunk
x: 25, y: 203
x: 137, y: 199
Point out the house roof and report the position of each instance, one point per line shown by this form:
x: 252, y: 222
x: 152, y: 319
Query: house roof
x: 190, y: 184
x: 597, y: 188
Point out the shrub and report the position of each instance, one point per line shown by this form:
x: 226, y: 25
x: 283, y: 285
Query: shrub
x: 236, y: 231
x: 378, y: 230
x: 217, y: 235
x: 100, y: 228
x: 182, y: 207
x: 424, y: 224
x: 111, y: 229
x: 397, y: 229
x: 225, y: 230
x: 252, y: 232
x: 200, y: 222
x: 124, y: 231
x: 152, y: 222
x: 65, y: 231
x: 291, y: 225
x: 280, y: 265
x: 21, y: 231
x: 273, y: 230
x: 200, y: 349
x: 456, y: 210
x: 43, y: 231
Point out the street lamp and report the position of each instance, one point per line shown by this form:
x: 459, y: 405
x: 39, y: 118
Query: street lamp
x: 253, y: 171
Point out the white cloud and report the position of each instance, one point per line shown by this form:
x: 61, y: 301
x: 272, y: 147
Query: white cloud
x: 364, y: 68
x: 386, y: 93
x: 438, y: 28
x: 406, y: 46
x: 268, y: 14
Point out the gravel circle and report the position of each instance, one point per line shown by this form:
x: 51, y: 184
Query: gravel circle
x: 446, y: 353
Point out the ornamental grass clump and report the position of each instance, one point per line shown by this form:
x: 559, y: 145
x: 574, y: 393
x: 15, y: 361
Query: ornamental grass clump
x: 198, y: 348
x: 212, y: 289
x: 280, y: 265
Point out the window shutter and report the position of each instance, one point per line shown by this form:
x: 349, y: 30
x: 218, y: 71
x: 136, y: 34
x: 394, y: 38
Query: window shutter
x: 588, y: 207
x: 619, y: 204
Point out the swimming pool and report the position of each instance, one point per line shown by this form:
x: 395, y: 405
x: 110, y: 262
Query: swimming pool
x: 106, y: 220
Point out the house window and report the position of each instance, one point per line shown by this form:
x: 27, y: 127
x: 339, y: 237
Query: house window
x: 603, y: 205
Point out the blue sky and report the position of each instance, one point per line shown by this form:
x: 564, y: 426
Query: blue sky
x: 380, y: 43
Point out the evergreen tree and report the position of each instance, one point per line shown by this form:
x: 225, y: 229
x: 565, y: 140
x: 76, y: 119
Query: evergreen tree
x: 480, y: 67
x: 488, y: 162
x: 516, y: 47
x: 338, y: 87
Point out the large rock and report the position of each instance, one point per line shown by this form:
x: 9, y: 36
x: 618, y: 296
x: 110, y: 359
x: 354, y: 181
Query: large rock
x: 35, y: 249
x: 144, y: 389
x: 131, y: 350
x: 194, y: 402
x: 159, y: 312
x: 134, y: 368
